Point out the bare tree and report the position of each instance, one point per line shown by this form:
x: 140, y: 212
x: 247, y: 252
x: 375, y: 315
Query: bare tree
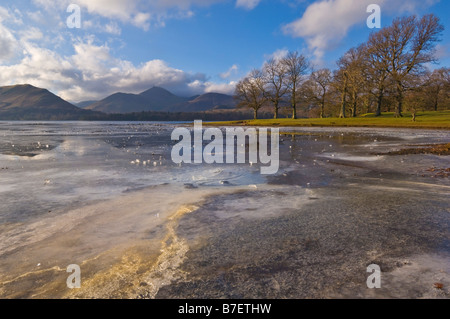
x: 320, y: 81
x: 297, y: 66
x: 250, y: 92
x: 436, y: 86
x: 379, y: 67
x: 405, y: 46
x: 344, y: 91
x: 353, y: 65
x: 416, y: 98
x: 275, y: 73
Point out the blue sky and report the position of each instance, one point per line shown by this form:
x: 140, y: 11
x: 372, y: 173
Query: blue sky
x: 187, y: 46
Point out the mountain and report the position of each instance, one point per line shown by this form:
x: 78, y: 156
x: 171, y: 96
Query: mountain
x: 23, y: 102
x: 206, y: 102
x: 154, y: 99
x: 121, y: 103
x: 84, y: 104
x: 160, y: 100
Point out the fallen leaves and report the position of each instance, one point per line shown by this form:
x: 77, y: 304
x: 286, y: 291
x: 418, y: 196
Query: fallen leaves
x: 439, y: 172
x: 436, y: 149
x: 438, y: 285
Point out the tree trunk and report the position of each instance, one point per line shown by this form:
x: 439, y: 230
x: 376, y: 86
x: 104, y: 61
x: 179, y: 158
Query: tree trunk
x: 343, y: 106
x: 398, y: 111
x: 322, y: 107
x: 343, y: 98
x: 379, y: 103
x: 255, y: 114
x: 436, y: 99
x: 294, y: 108
x: 275, y: 110
x: 368, y: 106
x: 354, y: 102
x: 294, y: 101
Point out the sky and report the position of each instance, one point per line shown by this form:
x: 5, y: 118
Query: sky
x: 186, y: 46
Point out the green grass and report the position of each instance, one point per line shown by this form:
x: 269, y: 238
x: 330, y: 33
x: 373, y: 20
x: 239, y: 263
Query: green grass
x: 429, y: 119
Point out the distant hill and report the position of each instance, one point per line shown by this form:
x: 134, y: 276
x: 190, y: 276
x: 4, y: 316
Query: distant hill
x: 84, y: 104
x: 26, y: 102
x: 158, y: 99
x: 161, y: 99
x: 206, y: 102
x: 121, y: 103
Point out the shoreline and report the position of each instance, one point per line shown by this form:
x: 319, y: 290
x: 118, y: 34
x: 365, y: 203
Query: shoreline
x: 248, y: 123
x: 424, y: 120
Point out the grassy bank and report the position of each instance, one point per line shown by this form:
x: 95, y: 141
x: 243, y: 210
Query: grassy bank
x: 429, y: 119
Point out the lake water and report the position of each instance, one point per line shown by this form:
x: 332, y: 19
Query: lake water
x: 106, y: 196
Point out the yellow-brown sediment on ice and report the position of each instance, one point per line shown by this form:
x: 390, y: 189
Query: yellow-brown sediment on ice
x: 138, y: 274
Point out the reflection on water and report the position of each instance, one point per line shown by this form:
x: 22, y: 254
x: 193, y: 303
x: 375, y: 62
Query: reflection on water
x: 106, y: 196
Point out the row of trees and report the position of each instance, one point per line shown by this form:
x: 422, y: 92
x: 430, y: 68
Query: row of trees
x: 386, y: 73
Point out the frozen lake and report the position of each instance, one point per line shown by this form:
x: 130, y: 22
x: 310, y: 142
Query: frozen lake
x: 107, y: 197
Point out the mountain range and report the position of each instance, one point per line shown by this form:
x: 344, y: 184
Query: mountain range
x: 26, y: 102
x: 158, y: 99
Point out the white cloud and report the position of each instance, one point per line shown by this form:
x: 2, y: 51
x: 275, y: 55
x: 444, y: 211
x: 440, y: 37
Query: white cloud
x: 278, y: 54
x: 182, y: 4
x: 224, y: 88
x: 247, y: 4
x: 8, y: 44
x: 325, y: 23
x: 111, y: 27
x: 119, y: 9
x: 209, y: 87
x: 14, y: 17
x: 141, y: 20
x: 230, y: 71
x: 31, y: 34
x: 140, y: 13
x: 36, y: 16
